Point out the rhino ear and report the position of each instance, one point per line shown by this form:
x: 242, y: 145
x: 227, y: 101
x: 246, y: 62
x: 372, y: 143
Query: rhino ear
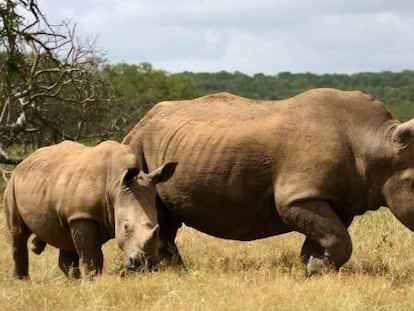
x: 403, y: 135
x: 163, y: 173
x: 130, y: 174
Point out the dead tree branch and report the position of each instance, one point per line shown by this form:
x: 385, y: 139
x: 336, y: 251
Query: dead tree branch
x: 6, y: 159
x: 49, y: 79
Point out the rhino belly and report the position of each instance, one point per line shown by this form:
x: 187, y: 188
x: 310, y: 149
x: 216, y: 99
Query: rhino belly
x: 44, y: 222
x: 226, y: 218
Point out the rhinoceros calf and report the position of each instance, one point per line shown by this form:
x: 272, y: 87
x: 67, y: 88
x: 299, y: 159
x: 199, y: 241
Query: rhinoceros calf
x: 250, y: 169
x: 76, y: 198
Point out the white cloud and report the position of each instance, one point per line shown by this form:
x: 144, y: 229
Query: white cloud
x: 249, y: 36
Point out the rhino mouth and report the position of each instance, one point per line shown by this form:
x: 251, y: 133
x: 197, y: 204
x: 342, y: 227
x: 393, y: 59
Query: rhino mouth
x: 142, y: 263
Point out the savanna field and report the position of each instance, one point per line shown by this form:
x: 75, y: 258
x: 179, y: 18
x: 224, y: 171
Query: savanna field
x: 229, y: 275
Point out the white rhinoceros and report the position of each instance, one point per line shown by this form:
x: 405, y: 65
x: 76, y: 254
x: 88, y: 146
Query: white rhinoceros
x: 76, y: 198
x: 250, y: 169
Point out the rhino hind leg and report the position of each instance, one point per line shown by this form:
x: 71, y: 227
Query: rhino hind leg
x: 310, y: 248
x: 37, y: 245
x: 312, y: 255
x: 20, y: 253
x: 87, y: 241
x: 19, y: 234
x: 169, y: 226
x: 312, y: 251
x: 69, y: 263
x: 328, y: 243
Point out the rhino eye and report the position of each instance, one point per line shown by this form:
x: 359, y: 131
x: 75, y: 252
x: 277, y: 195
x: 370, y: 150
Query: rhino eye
x: 127, y: 229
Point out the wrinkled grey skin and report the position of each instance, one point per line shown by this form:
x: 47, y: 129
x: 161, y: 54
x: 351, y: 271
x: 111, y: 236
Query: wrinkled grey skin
x: 76, y: 198
x: 250, y: 169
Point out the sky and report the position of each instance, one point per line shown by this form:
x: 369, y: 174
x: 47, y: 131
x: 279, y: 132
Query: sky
x: 260, y: 36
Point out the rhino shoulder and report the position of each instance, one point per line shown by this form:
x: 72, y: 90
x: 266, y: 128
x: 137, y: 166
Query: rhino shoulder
x: 119, y: 157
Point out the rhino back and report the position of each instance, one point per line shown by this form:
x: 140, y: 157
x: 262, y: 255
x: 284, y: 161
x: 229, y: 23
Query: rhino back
x: 235, y: 155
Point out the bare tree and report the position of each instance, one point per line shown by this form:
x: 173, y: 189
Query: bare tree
x: 50, y: 83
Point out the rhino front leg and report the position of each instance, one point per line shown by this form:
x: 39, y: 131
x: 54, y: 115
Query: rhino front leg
x: 69, y: 263
x: 87, y: 241
x: 169, y: 226
x: 327, y: 240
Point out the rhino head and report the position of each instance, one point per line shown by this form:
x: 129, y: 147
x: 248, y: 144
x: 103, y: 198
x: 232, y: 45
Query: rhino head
x: 136, y: 220
x: 398, y: 189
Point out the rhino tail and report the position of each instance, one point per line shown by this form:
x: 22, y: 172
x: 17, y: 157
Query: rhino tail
x: 14, y: 222
x: 37, y: 245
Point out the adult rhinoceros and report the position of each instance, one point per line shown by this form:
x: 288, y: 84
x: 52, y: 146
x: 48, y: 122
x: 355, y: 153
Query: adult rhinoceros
x: 76, y: 198
x: 250, y: 169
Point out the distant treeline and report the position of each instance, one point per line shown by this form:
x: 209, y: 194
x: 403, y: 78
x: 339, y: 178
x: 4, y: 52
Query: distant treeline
x: 135, y: 88
x: 141, y: 86
x: 395, y: 89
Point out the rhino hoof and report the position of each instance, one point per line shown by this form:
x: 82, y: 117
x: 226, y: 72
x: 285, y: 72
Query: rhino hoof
x: 18, y: 277
x: 315, y: 266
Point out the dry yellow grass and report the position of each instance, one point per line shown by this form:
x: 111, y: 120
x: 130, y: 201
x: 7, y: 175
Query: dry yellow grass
x: 229, y: 275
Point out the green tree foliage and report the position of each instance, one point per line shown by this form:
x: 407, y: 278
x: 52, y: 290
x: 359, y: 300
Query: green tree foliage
x: 140, y: 86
